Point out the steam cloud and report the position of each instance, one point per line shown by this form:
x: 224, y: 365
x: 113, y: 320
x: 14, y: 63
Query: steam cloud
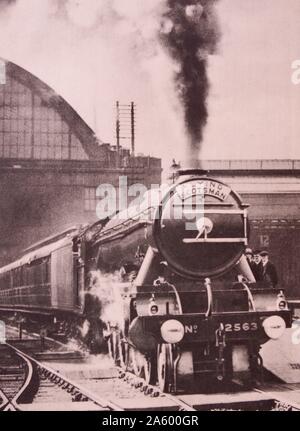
x: 107, y: 288
x: 190, y: 33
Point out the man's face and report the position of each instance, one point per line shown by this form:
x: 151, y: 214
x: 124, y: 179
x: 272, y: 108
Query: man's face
x: 257, y: 258
x: 264, y: 259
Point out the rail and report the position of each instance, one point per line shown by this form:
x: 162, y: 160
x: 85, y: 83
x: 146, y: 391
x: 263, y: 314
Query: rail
x: 103, y: 403
x: 12, y: 404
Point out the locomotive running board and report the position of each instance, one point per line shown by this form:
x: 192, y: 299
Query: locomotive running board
x: 215, y: 240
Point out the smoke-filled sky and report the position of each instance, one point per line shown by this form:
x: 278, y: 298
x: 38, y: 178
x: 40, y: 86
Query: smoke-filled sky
x: 94, y: 52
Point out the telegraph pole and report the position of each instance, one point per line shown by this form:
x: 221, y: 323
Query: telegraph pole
x: 132, y: 129
x: 125, y: 126
x: 118, y: 133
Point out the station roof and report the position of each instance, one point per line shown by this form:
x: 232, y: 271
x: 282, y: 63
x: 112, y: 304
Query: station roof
x: 79, y: 127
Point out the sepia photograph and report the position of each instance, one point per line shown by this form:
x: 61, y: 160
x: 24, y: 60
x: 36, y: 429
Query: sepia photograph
x: 149, y: 208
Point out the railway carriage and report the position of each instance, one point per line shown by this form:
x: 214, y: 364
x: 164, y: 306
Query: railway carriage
x: 43, y: 280
x: 46, y: 285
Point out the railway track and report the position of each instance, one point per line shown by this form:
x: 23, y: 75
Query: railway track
x: 44, y: 384
x: 76, y: 384
x: 16, y: 374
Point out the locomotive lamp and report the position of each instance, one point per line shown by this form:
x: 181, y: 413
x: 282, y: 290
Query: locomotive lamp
x: 153, y: 308
x: 281, y: 301
x: 172, y: 331
x: 274, y: 327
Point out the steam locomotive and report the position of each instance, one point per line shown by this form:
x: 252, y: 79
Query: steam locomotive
x: 187, y: 302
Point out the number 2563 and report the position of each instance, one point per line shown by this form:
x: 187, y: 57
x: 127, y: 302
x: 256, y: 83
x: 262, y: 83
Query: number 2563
x: 236, y: 327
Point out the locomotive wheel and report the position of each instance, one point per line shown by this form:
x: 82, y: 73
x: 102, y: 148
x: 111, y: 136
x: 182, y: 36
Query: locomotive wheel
x: 113, y: 346
x: 138, y: 363
x: 165, y: 367
x: 117, y: 349
x: 143, y: 366
x: 149, y: 370
x: 184, y: 375
x: 122, y: 352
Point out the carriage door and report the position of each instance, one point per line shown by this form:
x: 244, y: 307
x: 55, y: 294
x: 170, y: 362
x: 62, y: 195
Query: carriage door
x: 78, y: 265
x: 62, y: 278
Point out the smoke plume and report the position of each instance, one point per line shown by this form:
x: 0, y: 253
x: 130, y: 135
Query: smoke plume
x: 6, y: 2
x: 189, y: 31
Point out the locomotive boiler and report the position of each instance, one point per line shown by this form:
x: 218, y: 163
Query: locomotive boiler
x: 191, y: 306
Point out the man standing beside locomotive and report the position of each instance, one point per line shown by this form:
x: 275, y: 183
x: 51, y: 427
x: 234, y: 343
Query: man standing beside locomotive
x: 257, y: 266
x: 269, y: 273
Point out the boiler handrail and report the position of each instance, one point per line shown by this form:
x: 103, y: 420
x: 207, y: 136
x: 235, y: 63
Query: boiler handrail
x: 209, y: 297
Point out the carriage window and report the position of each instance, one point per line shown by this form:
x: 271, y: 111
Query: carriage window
x: 38, y: 272
x: 17, y: 282
x: 29, y: 275
x: 22, y: 276
x: 48, y: 270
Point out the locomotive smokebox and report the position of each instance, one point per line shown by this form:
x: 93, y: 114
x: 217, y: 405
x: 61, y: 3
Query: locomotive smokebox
x: 189, y: 168
x: 201, y: 226
x: 192, y: 172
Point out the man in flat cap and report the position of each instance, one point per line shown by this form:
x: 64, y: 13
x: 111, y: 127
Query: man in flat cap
x: 255, y: 265
x: 269, y: 273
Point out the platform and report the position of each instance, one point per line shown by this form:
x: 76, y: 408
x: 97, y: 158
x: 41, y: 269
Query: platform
x: 226, y: 401
x: 282, y: 357
x: 146, y: 404
x: 55, y: 407
x: 84, y: 370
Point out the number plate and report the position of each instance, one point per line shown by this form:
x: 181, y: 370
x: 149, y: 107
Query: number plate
x: 241, y: 327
